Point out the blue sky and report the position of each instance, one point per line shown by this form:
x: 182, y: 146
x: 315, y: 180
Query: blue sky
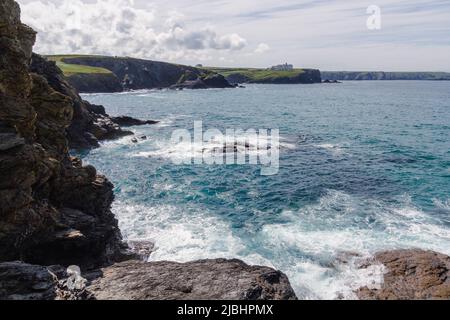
x: 325, y: 34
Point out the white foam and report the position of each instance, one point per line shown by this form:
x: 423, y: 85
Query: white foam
x: 190, y: 150
x: 335, y: 149
x: 337, y: 223
x: 182, y: 236
x: 306, y: 245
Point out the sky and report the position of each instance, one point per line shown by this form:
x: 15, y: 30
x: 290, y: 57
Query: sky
x: 405, y: 35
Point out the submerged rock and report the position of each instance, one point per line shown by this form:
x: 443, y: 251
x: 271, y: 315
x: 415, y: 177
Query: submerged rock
x: 411, y: 275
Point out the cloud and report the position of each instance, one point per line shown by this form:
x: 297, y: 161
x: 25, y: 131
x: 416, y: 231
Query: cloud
x: 119, y: 27
x: 325, y: 34
x: 262, y: 48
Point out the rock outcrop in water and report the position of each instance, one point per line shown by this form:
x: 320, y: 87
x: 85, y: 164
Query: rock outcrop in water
x: 411, y: 275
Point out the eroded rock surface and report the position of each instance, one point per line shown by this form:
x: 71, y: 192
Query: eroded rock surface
x: 208, y: 279
x: 411, y: 275
x: 53, y: 209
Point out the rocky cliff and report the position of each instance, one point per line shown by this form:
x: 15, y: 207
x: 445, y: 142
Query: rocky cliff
x: 371, y: 75
x: 56, y: 212
x: 250, y: 75
x: 90, y: 123
x: 136, y: 74
x: 53, y: 209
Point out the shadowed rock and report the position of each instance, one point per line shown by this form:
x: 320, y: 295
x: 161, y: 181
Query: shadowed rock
x: 125, y: 121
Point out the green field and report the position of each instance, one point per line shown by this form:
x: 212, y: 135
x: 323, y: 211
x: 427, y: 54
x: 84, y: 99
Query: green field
x: 256, y: 74
x: 71, y: 69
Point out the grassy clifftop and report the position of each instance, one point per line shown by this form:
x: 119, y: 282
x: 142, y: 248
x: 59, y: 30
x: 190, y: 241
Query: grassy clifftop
x: 253, y: 75
x: 94, y: 73
x: 71, y: 69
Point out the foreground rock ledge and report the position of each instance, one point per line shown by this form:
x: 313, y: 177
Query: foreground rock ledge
x: 411, y: 275
x: 136, y: 280
x: 207, y: 279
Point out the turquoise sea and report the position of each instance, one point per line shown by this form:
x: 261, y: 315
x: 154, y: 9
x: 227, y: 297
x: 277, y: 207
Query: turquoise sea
x: 364, y: 167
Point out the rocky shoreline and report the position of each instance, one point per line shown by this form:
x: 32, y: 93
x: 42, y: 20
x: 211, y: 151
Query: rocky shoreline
x: 137, y: 74
x: 55, y: 212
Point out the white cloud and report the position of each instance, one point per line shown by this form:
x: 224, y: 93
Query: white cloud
x: 262, y: 48
x: 119, y: 27
x: 329, y: 34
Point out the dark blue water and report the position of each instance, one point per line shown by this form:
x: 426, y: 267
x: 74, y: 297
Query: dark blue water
x: 364, y: 166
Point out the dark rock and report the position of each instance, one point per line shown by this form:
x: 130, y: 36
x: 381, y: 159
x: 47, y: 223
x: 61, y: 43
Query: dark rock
x: 89, y: 123
x: 125, y: 121
x: 411, y: 275
x: 137, y: 74
x: 20, y: 281
x: 53, y: 210
x: 208, y: 279
x: 95, y: 82
x: 331, y: 81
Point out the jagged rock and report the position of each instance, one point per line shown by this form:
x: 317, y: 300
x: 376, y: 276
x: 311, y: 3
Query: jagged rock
x: 125, y: 121
x: 21, y: 281
x: 45, y: 195
x: 90, y: 123
x: 136, y: 74
x: 135, y: 280
x: 411, y: 275
x: 208, y: 279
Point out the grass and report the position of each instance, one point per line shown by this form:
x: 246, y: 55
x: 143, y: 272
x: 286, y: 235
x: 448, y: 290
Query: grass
x: 71, y: 69
x: 257, y: 74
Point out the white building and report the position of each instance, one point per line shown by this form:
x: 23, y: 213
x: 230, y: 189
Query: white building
x: 282, y: 67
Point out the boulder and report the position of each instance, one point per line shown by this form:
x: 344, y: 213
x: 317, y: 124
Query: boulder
x: 205, y: 280
x: 411, y: 275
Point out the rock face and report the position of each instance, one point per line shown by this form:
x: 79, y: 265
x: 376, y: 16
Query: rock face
x: 412, y: 275
x: 373, y: 75
x: 89, y: 124
x: 53, y: 209
x: 136, y: 280
x: 305, y: 76
x: 20, y: 281
x: 95, y: 83
x: 136, y: 74
x: 206, y: 280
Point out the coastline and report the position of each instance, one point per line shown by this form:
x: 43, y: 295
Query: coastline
x: 70, y: 207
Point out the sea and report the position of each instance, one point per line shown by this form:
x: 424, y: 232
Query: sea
x: 363, y: 167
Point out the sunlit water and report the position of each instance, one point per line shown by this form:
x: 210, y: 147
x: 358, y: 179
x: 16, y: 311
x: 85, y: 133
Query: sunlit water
x: 365, y: 166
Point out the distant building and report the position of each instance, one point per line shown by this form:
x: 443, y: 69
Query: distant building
x: 283, y: 67
x: 199, y: 66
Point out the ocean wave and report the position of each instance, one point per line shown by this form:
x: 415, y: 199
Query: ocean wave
x: 343, y: 223
x: 180, y: 236
x: 189, y: 150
